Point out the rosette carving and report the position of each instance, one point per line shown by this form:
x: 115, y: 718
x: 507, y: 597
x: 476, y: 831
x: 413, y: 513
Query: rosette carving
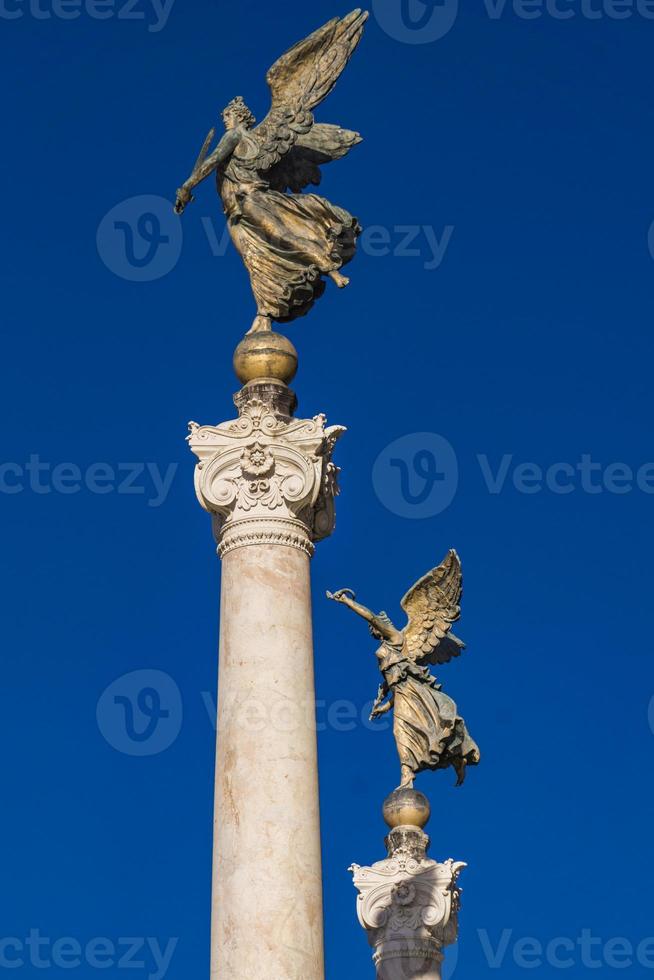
x: 408, y: 908
x: 267, y: 478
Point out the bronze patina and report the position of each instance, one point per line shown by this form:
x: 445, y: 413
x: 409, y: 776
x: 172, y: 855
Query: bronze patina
x: 290, y: 241
x: 428, y: 730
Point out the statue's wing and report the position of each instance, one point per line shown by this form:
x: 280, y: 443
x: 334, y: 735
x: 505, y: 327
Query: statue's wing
x: 301, y: 165
x: 299, y: 81
x: 309, y: 71
x: 433, y: 605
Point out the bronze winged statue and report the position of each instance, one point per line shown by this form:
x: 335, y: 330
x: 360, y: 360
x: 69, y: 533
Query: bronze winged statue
x: 288, y: 240
x: 428, y: 730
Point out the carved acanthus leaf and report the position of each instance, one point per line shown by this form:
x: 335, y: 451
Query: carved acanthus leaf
x: 261, y: 465
x: 408, y: 908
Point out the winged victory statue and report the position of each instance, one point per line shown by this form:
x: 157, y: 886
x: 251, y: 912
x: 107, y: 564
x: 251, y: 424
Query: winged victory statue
x: 290, y: 241
x: 428, y: 730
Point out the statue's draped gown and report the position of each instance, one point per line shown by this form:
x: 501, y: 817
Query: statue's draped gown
x: 287, y: 241
x: 427, y: 727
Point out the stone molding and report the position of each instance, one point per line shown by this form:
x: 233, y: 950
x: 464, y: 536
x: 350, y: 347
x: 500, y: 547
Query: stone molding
x: 256, y: 530
x: 267, y: 478
x: 408, y: 905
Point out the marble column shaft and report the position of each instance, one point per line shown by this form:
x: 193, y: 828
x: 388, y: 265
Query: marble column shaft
x: 269, y: 483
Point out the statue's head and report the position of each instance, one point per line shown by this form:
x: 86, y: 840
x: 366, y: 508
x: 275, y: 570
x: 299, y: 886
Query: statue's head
x: 238, y: 114
x: 385, y: 618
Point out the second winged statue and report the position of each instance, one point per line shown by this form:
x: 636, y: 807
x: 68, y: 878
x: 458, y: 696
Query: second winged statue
x: 428, y: 730
x: 289, y: 241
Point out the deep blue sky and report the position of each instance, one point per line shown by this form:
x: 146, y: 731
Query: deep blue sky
x: 531, y: 342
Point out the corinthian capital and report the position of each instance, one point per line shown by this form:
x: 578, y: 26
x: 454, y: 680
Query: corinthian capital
x: 408, y: 906
x: 266, y: 477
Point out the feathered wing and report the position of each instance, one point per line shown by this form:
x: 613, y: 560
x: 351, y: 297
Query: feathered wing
x: 299, y: 81
x: 300, y: 167
x: 433, y: 605
x: 309, y: 71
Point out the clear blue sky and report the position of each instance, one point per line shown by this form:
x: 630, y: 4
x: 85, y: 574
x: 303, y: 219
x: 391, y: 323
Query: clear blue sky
x: 521, y: 146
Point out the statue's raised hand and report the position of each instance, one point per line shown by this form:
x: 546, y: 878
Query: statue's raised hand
x: 183, y: 198
x: 341, y: 595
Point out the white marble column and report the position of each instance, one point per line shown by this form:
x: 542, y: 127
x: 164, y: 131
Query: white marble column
x: 407, y: 903
x: 269, y: 483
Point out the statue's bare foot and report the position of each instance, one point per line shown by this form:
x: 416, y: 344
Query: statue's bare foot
x: 261, y: 324
x: 341, y: 281
x: 408, y: 778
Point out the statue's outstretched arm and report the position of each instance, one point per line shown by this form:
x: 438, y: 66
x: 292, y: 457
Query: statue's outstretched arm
x: 223, y: 151
x: 347, y: 598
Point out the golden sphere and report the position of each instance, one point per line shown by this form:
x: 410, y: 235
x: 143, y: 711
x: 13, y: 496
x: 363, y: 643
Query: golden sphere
x: 406, y: 807
x: 265, y: 355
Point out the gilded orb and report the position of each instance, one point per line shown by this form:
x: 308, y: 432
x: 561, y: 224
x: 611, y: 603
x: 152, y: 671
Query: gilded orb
x: 265, y: 355
x: 406, y: 808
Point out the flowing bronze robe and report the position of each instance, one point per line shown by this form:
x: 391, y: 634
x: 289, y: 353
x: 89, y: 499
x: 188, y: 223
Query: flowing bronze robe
x: 288, y: 242
x: 428, y: 730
